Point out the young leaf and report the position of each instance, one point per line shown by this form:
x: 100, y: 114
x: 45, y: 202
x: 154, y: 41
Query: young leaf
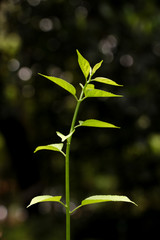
x: 62, y: 83
x: 96, y: 67
x: 45, y: 198
x: 84, y: 65
x: 63, y: 137
x: 96, y: 123
x: 105, y: 198
x: 106, y: 81
x: 90, y: 92
x: 81, y: 85
x: 90, y: 87
x: 53, y: 147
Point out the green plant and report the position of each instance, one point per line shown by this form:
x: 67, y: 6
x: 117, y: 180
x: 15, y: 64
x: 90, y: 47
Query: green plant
x: 87, y: 90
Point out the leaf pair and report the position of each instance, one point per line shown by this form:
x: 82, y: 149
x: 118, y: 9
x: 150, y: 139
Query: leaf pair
x: 87, y: 71
x: 90, y: 200
x: 89, y: 92
x: 87, y: 123
x: 56, y: 146
x: 85, y: 66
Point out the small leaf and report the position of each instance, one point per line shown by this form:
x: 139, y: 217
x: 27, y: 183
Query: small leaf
x: 81, y: 85
x: 105, y: 198
x: 96, y: 67
x: 96, y: 123
x: 90, y: 87
x: 62, y: 83
x: 90, y: 92
x: 84, y: 65
x: 63, y: 137
x: 53, y: 147
x: 106, y: 81
x: 45, y: 198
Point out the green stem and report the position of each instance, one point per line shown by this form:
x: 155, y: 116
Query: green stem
x: 67, y: 186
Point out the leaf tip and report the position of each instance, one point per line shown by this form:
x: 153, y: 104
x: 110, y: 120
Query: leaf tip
x: 35, y: 150
x: 40, y: 74
x: 77, y: 51
x: 134, y: 203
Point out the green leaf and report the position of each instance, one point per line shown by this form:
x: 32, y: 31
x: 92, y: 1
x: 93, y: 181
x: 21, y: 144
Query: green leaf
x: 84, y: 65
x: 53, y: 147
x: 106, y: 81
x: 62, y: 83
x: 45, y: 198
x: 96, y: 67
x: 90, y: 87
x: 96, y: 123
x: 63, y: 137
x: 90, y: 92
x: 105, y: 198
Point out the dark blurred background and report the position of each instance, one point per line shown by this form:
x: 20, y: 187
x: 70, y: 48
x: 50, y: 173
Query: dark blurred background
x: 42, y: 36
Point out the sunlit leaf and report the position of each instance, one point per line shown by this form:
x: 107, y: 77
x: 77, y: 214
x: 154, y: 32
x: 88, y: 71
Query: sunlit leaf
x: 63, y: 137
x: 90, y: 87
x: 45, y: 198
x: 106, y: 81
x: 53, y: 147
x: 96, y: 123
x: 84, y: 65
x: 96, y: 67
x: 62, y: 83
x: 90, y: 92
x: 105, y: 198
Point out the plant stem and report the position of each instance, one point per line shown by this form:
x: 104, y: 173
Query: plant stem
x: 67, y: 185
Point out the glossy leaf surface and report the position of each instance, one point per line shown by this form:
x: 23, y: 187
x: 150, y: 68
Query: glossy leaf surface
x: 62, y: 83
x: 89, y: 87
x: 106, y: 81
x: 99, y: 93
x: 63, y: 137
x: 84, y: 65
x: 96, y: 67
x: 105, y: 198
x: 44, y: 198
x: 53, y: 147
x: 96, y: 123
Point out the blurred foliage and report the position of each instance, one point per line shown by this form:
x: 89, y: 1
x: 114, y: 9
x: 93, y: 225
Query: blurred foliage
x: 42, y: 36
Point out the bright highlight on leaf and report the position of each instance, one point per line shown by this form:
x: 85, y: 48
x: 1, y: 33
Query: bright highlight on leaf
x: 62, y: 83
x: 84, y: 65
x: 89, y: 87
x: 53, y: 147
x: 63, y: 137
x: 106, y: 81
x: 96, y: 123
x: 105, y: 198
x: 99, y: 93
x: 45, y: 198
x: 90, y: 91
x: 96, y: 67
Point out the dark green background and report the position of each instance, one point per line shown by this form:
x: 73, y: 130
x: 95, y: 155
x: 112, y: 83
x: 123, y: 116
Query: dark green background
x: 42, y: 36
